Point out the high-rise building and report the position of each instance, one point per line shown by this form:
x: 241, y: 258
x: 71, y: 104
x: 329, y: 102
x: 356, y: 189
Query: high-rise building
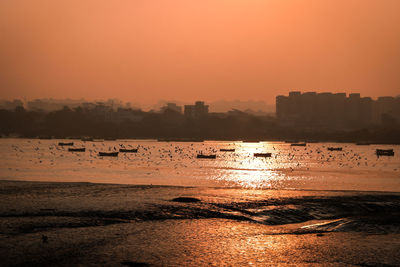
x: 282, y: 107
x: 330, y: 110
x: 386, y: 107
x: 196, y: 111
x: 173, y: 107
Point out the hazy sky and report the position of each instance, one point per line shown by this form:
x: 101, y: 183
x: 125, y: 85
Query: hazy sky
x: 147, y: 50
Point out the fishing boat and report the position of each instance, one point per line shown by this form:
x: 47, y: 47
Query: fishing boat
x: 45, y: 137
x: 133, y: 150
x: 298, y: 144
x: 65, y: 144
x: 81, y: 149
x: 201, y: 156
x: 384, y: 152
x: 363, y: 143
x: 227, y: 150
x: 180, y: 140
x: 262, y: 155
x: 334, y: 148
x: 108, y: 154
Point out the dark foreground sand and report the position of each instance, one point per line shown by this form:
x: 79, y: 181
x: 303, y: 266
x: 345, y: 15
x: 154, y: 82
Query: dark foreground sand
x: 47, y: 224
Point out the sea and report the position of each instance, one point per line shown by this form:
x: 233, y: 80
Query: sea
x: 312, y: 167
x: 163, y: 206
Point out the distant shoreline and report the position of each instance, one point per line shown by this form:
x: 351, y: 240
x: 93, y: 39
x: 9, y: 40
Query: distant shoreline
x: 188, y: 140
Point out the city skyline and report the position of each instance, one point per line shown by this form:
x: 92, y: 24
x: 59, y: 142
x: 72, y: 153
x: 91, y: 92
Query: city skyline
x: 305, y: 116
x: 215, y: 106
x: 336, y: 109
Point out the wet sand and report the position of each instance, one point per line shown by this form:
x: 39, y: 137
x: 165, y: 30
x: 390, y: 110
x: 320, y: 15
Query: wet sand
x: 68, y: 224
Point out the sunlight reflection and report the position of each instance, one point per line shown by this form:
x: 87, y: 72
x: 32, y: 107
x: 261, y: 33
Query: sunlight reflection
x: 248, y: 171
x: 169, y: 163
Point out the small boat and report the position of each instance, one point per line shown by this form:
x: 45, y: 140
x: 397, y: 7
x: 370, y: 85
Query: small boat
x: 108, y: 154
x: 45, y: 137
x: 363, y: 143
x: 334, y: 148
x: 227, y: 150
x: 81, y: 149
x: 65, y: 144
x: 384, y: 152
x: 87, y: 138
x: 180, y: 140
x: 201, y: 156
x: 133, y: 150
x: 298, y: 144
x: 262, y: 155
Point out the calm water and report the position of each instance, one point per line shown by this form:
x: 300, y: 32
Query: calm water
x: 98, y: 224
x: 175, y: 163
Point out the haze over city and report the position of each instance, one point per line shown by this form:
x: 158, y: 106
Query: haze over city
x: 199, y: 133
x: 146, y: 51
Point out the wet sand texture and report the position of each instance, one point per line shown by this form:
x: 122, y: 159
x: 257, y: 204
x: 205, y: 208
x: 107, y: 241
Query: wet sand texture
x: 47, y: 224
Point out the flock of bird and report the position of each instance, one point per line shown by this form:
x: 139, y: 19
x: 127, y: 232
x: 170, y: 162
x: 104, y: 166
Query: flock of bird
x: 181, y: 155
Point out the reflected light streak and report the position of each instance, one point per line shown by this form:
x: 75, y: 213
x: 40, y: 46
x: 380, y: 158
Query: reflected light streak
x: 249, y: 171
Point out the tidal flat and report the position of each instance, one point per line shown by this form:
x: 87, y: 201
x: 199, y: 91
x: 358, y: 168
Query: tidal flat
x: 65, y: 224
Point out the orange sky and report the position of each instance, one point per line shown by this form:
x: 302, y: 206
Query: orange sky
x: 147, y: 50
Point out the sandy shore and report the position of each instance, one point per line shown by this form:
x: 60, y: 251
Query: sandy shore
x: 69, y: 224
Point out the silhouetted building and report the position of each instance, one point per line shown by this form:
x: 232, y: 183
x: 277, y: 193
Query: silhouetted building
x: 172, y: 107
x: 386, y: 107
x: 49, y: 105
x: 123, y: 115
x: 282, y: 107
x: 198, y: 110
x: 11, y: 105
x: 326, y: 109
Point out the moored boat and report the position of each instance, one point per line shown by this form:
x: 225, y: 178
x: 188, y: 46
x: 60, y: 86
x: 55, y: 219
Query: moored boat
x: 227, y: 150
x: 363, y: 143
x: 65, y: 144
x: 45, y: 137
x: 384, y: 152
x: 202, y: 156
x: 334, y: 148
x: 262, y: 155
x: 108, y: 154
x: 180, y: 140
x: 298, y: 144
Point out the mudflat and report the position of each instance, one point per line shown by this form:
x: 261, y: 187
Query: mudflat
x: 88, y: 224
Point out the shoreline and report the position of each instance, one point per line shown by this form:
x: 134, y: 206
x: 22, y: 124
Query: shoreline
x: 63, y: 224
x: 240, y: 140
x: 202, y: 187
